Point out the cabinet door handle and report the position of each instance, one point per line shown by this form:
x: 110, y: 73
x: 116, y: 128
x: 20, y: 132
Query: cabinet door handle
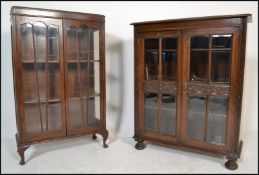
x: 184, y: 88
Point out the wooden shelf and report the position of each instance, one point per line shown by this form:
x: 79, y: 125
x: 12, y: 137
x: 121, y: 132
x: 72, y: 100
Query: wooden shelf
x: 221, y: 49
x: 199, y: 49
x: 82, y: 61
x: 41, y: 62
x: 151, y: 50
x: 76, y: 61
x: 84, y: 97
x: 169, y: 50
x: 35, y: 101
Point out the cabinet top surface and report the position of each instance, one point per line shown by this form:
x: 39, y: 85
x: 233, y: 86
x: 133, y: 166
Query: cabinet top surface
x: 249, y: 16
x: 28, y: 11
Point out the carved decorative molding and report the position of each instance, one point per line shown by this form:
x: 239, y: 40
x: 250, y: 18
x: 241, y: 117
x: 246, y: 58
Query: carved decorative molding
x: 216, y: 90
x: 151, y: 86
x: 208, y: 90
x: 168, y: 87
x: 197, y: 89
x: 160, y: 87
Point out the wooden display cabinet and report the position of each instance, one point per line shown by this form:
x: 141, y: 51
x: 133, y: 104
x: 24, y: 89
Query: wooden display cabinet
x: 59, y: 75
x: 188, y: 83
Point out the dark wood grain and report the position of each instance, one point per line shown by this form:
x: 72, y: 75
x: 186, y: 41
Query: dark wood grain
x: 185, y: 87
x: 53, y: 123
x: 39, y: 12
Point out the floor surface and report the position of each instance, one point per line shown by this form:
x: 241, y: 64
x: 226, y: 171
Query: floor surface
x: 84, y: 155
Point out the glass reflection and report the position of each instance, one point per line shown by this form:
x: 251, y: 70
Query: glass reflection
x: 199, y: 66
x: 217, y: 120
x: 200, y: 42
x: 169, y: 43
x: 26, y: 42
x: 152, y: 43
x: 151, y: 65
x: 196, y: 117
x: 221, y: 41
x: 168, y: 114
x: 53, y: 43
x: 150, y: 112
x: 220, y: 66
x: 169, y: 65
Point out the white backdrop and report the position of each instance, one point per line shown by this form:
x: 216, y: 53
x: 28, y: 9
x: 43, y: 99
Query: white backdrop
x: 119, y: 54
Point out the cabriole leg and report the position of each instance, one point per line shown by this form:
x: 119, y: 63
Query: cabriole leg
x: 21, y: 150
x: 105, y: 136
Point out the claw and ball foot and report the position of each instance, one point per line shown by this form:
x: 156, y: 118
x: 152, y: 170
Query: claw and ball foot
x: 21, y: 151
x: 105, y: 136
x: 231, y: 165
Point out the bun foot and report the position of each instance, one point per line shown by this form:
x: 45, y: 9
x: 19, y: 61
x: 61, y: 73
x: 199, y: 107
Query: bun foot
x: 139, y: 146
x: 231, y: 165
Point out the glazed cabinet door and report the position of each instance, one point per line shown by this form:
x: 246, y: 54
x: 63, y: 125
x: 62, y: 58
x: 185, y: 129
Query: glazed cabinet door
x: 159, y: 60
x: 39, y: 74
x: 210, y: 60
x: 83, y: 71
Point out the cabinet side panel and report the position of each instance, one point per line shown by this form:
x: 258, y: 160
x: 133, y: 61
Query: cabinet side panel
x: 135, y: 87
x: 14, y: 54
x: 102, y: 76
x: 240, y: 81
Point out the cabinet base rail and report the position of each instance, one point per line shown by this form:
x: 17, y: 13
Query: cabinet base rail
x: 22, y: 147
x: 231, y: 157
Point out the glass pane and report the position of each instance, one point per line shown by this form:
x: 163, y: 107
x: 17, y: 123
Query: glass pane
x: 151, y: 65
x: 53, y: 81
x: 71, y: 43
x: 41, y: 73
x: 73, y: 80
x: 220, y: 66
x: 53, y: 43
x: 150, y: 112
x: 83, y: 42
x: 32, y: 118
x: 54, y: 116
x: 199, y: 66
x: 169, y: 65
x: 94, y: 44
x: 84, y: 78
x: 152, y: 44
x: 40, y: 41
x: 94, y: 78
x: 75, y: 113
x: 200, y: 42
x: 29, y: 83
x: 217, y: 120
x: 196, y: 118
x: 26, y: 42
x: 93, y: 110
x: 168, y: 114
x: 169, y: 43
x: 221, y: 41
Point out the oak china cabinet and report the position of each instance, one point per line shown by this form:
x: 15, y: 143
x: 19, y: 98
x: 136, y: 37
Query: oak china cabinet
x: 188, y: 83
x: 59, y: 75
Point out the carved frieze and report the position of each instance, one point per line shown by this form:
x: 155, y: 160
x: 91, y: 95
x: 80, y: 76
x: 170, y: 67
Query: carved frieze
x: 208, y: 90
x: 160, y: 87
x: 151, y: 86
